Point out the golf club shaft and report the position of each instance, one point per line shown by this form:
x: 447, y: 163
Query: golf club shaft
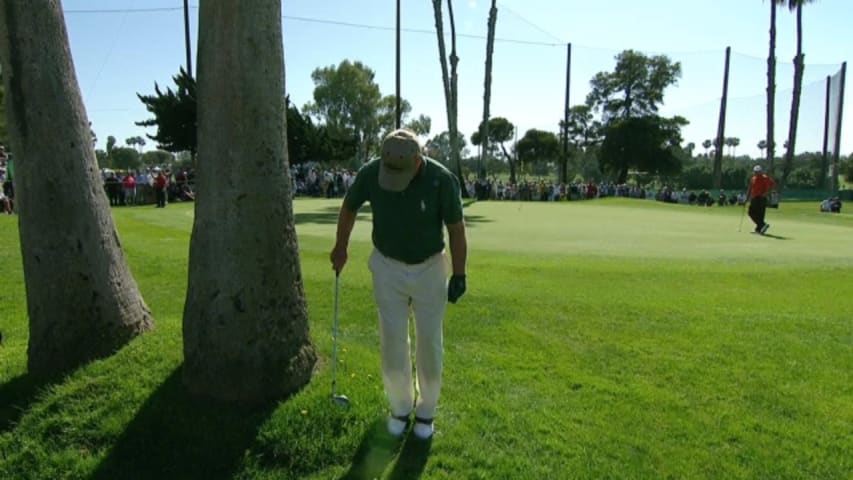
x: 335, y: 334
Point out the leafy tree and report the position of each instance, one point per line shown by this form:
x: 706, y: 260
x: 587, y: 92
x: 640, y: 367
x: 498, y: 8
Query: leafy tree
x: 157, y: 157
x: 348, y: 101
x: 174, y: 115
x: 538, y: 146
x: 387, y: 114
x: 646, y: 144
x: 634, y: 88
x: 125, y: 158
x: 82, y: 302
x: 136, y: 142
x: 439, y: 148
x: 583, y: 130
x: 245, y: 322
x: 500, y: 131
x: 421, y: 125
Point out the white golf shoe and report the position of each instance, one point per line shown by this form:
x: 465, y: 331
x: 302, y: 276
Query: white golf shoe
x: 423, y: 428
x: 397, y: 425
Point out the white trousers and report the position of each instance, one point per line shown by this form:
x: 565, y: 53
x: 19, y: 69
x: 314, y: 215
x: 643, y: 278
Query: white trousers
x: 398, y: 287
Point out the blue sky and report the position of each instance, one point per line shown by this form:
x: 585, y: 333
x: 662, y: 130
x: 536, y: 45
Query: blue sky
x: 122, y: 47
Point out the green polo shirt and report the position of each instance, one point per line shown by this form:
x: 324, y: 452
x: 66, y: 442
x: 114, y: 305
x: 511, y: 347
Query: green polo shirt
x: 408, y: 225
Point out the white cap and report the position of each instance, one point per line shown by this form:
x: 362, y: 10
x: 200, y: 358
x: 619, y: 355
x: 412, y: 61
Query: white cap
x: 756, y: 168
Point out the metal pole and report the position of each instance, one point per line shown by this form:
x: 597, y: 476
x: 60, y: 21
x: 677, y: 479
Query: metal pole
x: 187, y: 37
x: 837, y: 151
x: 399, y: 108
x: 565, y: 164
x: 824, y: 164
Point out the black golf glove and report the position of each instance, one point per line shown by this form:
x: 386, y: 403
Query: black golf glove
x: 455, y: 288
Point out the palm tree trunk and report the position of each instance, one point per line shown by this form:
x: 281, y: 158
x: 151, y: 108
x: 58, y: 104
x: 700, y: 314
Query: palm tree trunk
x: 82, y: 301
x: 799, y: 67
x: 245, y: 318
x: 450, y: 87
x: 487, y: 92
x: 771, y: 89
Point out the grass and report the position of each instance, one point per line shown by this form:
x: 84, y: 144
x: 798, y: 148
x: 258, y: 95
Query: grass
x: 602, y: 339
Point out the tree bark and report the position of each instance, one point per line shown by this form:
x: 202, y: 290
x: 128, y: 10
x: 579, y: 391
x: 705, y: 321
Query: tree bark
x: 771, y: 90
x: 246, y: 335
x: 799, y: 67
x: 450, y: 87
x: 487, y: 89
x: 82, y: 301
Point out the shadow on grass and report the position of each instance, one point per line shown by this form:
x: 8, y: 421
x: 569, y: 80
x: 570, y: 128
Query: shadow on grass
x: 17, y: 395
x: 412, y: 459
x: 378, y: 450
x: 328, y: 216
x: 375, y: 452
x: 175, y: 435
x: 775, y: 237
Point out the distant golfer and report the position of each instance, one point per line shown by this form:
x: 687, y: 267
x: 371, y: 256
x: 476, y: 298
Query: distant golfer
x: 412, y: 198
x: 760, y: 186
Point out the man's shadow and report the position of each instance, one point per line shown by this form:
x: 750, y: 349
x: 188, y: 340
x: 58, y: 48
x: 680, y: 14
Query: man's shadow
x: 775, y: 237
x: 378, y: 450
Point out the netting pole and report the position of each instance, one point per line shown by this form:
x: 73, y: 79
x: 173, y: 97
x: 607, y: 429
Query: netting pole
x: 721, y: 127
x: 824, y: 164
x: 837, y: 150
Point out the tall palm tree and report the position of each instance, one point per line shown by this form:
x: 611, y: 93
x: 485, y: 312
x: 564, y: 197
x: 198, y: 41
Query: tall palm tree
x: 487, y: 95
x: 245, y: 321
x: 82, y: 301
x: 771, y: 87
x: 799, y: 67
x: 450, y: 86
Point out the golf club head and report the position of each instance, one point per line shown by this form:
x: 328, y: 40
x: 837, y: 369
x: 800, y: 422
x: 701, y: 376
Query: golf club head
x: 340, y: 400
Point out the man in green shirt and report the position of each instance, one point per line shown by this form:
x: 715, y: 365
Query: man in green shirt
x: 412, y: 199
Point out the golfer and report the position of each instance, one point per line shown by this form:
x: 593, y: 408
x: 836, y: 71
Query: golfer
x: 412, y: 198
x: 760, y: 186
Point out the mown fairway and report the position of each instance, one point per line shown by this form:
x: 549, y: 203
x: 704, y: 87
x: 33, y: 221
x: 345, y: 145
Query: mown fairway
x: 604, y: 339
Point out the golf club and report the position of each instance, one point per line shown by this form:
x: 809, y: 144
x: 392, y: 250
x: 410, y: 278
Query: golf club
x: 743, y: 213
x: 341, y: 400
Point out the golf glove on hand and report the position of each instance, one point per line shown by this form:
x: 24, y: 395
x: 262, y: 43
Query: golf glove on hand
x: 455, y: 288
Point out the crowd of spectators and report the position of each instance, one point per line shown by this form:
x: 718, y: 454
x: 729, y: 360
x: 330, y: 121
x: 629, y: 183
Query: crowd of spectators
x: 147, y: 185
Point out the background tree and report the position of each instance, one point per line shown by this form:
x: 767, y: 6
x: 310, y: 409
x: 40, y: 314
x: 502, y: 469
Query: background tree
x: 538, y: 146
x: 500, y: 131
x: 347, y: 101
x: 450, y: 81
x: 583, y: 130
x: 420, y: 125
x: 157, y: 157
x: 82, y: 302
x: 123, y: 158
x: 136, y: 142
x: 634, y: 88
x: 799, y: 68
x: 439, y: 148
x: 111, y: 145
x: 174, y: 115
x: 707, y: 144
x: 646, y: 144
x: 245, y: 325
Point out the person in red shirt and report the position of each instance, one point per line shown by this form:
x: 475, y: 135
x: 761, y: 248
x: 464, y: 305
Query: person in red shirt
x: 760, y: 186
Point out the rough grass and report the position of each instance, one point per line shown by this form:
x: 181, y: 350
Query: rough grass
x: 601, y: 339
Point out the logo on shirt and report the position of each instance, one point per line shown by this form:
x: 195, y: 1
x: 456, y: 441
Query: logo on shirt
x: 423, y: 206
